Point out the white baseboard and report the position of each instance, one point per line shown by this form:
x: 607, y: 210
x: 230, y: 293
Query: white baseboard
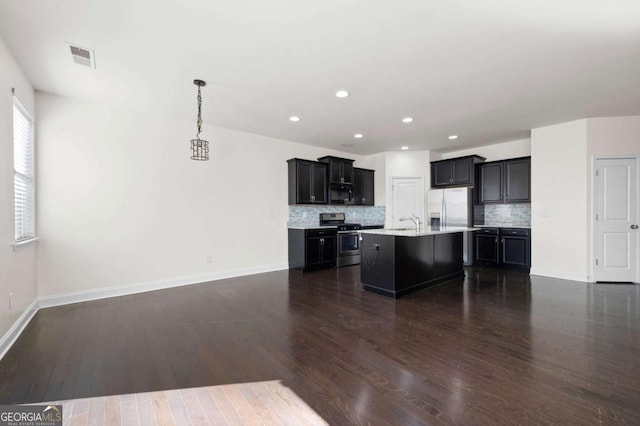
x: 102, y: 293
x: 17, y: 328
x: 559, y: 274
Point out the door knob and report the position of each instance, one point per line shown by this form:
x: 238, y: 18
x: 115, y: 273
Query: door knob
x: 634, y: 226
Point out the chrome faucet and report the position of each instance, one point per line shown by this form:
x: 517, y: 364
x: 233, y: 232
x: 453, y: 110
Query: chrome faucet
x: 413, y: 218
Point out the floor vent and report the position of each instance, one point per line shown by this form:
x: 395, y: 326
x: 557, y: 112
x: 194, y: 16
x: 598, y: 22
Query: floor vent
x: 83, y: 56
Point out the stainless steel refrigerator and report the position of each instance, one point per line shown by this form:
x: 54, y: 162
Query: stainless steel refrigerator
x: 453, y: 207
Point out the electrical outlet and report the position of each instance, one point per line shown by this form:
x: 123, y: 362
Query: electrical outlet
x: 304, y: 215
x: 209, y: 258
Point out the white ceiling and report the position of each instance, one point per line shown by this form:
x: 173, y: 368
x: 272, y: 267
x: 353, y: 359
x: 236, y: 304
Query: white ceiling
x: 488, y: 71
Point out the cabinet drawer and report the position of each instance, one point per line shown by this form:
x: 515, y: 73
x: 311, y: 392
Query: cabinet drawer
x: 515, y: 231
x: 488, y: 231
x: 321, y: 232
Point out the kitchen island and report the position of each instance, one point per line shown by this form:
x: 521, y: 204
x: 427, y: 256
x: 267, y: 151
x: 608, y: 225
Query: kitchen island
x: 398, y: 261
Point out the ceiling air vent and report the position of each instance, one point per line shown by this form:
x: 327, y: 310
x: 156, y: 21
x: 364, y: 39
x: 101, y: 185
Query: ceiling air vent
x: 83, y: 56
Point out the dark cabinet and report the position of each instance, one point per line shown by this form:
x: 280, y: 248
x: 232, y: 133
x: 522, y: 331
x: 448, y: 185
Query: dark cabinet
x: 505, y: 247
x: 487, y: 245
x: 307, y: 182
x: 504, y: 181
x: 516, y: 246
x: 489, y: 187
x: 517, y: 181
x: 340, y: 169
x: 363, y: 187
x: 312, y: 248
x: 454, y: 172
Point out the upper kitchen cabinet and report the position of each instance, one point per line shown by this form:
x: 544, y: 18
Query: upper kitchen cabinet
x: 307, y: 182
x: 363, y: 187
x: 454, y: 172
x: 340, y: 170
x: 506, y: 181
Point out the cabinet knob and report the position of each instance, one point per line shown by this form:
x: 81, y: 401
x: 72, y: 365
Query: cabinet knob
x: 634, y: 226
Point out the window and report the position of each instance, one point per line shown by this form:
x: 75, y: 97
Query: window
x: 23, y: 173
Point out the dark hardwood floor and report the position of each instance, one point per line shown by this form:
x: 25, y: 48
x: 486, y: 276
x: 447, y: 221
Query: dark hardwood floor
x: 498, y: 347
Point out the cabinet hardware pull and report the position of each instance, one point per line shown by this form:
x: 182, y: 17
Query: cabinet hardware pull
x: 634, y: 226
x: 496, y: 240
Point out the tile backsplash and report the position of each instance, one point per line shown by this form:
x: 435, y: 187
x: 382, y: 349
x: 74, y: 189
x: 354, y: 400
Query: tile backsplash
x: 514, y: 214
x: 310, y: 215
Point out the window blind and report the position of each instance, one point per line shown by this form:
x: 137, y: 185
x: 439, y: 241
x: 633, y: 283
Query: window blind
x: 23, y: 173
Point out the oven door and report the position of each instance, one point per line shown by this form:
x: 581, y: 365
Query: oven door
x: 348, y: 243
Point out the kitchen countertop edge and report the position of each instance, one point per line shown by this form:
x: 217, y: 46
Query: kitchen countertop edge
x: 422, y: 232
x: 310, y: 226
x: 503, y: 225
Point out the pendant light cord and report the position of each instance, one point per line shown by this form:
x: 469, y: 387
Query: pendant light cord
x: 199, y: 113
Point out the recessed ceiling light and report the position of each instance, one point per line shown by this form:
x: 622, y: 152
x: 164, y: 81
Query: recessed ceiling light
x: 404, y: 148
x: 294, y: 118
x: 358, y: 136
x: 452, y: 137
x: 342, y: 94
x: 407, y: 119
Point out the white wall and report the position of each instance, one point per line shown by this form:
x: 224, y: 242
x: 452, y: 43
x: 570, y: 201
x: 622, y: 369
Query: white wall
x: 561, y: 184
x: 607, y: 136
x: 405, y: 164
x: 121, y: 203
x: 559, y: 205
x: 17, y: 269
x: 495, y: 152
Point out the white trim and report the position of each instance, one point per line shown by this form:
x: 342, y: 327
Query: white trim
x: 559, y: 274
x: 592, y: 249
x: 103, y: 293
x: 19, y: 244
x: 17, y: 328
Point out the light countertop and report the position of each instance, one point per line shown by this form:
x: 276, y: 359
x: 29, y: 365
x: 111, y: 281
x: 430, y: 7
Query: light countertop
x: 295, y: 225
x: 423, y: 231
x: 503, y: 225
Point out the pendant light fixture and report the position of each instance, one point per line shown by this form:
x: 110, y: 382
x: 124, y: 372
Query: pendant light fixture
x: 199, y: 147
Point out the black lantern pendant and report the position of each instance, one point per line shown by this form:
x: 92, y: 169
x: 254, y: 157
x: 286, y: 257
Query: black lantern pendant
x: 199, y: 147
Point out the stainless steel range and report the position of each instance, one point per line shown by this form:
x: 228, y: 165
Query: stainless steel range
x: 348, y: 238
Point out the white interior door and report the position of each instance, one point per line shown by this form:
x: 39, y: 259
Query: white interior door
x: 407, y: 199
x: 616, y: 225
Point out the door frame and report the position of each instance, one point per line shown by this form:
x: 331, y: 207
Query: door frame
x: 593, y: 248
x: 392, y: 179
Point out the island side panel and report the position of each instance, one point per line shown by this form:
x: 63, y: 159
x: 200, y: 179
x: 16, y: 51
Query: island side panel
x: 449, y: 261
x: 377, y: 264
x: 414, y: 262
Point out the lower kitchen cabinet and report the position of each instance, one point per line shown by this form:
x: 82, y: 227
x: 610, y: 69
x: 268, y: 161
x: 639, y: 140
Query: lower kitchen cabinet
x: 504, y: 247
x: 312, y: 248
x: 487, y: 246
x: 516, y: 248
